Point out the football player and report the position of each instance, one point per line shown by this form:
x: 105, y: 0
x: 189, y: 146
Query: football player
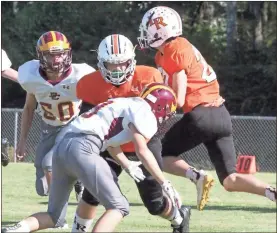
x: 206, y: 120
x: 77, y: 156
x: 6, y: 70
x: 119, y: 76
x: 50, y: 83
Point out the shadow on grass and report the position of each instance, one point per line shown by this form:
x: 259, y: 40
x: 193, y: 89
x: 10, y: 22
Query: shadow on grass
x: 210, y: 207
x: 239, y: 208
x: 75, y: 203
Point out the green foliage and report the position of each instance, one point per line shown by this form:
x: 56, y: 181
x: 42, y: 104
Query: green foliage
x: 247, y: 76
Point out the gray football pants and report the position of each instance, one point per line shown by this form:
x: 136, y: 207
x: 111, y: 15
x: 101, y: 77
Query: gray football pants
x: 44, y: 154
x: 77, y: 157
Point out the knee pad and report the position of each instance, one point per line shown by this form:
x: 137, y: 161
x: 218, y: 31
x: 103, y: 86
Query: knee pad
x: 156, y: 207
x: 42, y: 186
x: 152, y: 196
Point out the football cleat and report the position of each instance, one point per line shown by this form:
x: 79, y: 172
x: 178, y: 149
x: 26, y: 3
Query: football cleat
x: 14, y: 228
x: 79, y: 188
x: 185, y: 212
x: 203, y: 186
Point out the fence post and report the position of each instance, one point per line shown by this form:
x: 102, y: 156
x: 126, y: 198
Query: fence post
x: 15, y: 134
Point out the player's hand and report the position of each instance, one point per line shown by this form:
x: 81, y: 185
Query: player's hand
x: 20, y: 150
x: 135, y: 171
x: 172, y: 194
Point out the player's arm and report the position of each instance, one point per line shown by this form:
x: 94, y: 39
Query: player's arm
x: 26, y: 122
x: 179, y: 85
x: 145, y: 155
x: 10, y: 74
x: 6, y: 70
x: 131, y: 167
x: 119, y: 156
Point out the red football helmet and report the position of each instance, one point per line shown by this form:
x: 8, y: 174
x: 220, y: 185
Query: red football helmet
x: 162, y: 100
x: 54, y: 52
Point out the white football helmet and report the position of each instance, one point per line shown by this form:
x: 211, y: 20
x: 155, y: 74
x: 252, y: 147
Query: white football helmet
x: 159, y: 24
x: 116, y: 49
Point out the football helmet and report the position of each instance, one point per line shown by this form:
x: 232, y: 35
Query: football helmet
x: 54, y: 52
x: 162, y: 100
x: 116, y: 49
x: 159, y: 24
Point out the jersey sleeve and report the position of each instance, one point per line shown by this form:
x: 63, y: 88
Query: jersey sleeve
x: 6, y: 62
x: 86, y: 69
x: 144, y: 120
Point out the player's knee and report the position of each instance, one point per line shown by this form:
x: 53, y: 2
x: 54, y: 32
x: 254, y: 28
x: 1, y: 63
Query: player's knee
x: 156, y: 207
x: 57, y: 221
x: 42, y: 186
x: 229, y: 182
x: 122, y: 205
x: 125, y: 208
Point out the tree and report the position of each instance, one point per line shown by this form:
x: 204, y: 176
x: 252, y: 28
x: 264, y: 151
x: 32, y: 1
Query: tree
x: 231, y: 28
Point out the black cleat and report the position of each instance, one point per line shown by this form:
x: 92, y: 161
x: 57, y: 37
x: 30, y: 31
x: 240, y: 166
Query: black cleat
x: 184, y: 227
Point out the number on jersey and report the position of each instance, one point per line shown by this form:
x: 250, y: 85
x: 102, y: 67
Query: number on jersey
x: 65, y: 109
x: 208, y: 73
x: 116, y: 125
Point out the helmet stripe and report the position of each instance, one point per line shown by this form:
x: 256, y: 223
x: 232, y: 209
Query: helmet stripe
x: 53, y: 35
x: 115, y: 44
x: 59, y: 36
x: 48, y: 37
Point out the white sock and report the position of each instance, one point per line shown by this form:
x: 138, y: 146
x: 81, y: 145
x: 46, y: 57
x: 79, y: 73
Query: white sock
x: 176, y: 218
x: 270, y: 193
x: 192, y: 174
x: 80, y: 224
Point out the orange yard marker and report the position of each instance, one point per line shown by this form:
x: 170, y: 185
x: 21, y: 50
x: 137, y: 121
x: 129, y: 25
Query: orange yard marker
x: 246, y: 164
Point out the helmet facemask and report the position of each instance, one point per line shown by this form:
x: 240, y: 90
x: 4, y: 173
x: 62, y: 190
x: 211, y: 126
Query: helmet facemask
x: 117, y: 77
x: 48, y: 63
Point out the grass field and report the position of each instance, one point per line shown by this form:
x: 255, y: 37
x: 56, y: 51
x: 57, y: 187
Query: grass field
x: 226, y: 212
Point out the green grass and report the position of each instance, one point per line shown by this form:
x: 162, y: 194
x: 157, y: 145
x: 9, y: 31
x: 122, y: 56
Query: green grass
x: 226, y: 212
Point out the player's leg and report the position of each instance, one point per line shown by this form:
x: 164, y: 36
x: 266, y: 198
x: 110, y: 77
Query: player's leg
x: 182, y: 136
x: 96, y: 175
x: 153, y: 198
x: 158, y: 204
x: 58, y: 199
x: 4, y: 152
x: 223, y: 155
x: 87, y: 206
x: 43, y: 148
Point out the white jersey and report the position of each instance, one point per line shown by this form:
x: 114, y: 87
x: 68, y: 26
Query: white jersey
x: 57, y: 104
x: 110, y: 121
x: 6, y: 62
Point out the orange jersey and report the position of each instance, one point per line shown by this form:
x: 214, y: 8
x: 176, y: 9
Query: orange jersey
x: 202, y: 85
x: 93, y: 89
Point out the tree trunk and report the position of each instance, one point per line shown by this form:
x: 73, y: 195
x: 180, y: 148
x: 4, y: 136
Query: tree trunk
x: 258, y: 39
x: 231, y: 28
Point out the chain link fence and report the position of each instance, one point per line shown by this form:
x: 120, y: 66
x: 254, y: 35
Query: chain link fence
x: 252, y: 136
